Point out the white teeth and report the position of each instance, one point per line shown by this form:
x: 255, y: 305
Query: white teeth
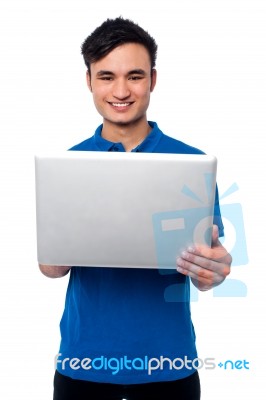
x: 120, y: 104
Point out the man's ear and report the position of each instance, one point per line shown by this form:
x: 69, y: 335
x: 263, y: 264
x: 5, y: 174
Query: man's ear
x: 153, y: 78
x: 88, y: 78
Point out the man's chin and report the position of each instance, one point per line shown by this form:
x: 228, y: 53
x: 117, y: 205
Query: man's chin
x: 125, y: 123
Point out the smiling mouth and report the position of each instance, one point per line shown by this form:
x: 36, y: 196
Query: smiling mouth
x: 120, y: 105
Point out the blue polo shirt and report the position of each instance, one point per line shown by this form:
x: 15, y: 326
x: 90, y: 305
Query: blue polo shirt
x: 123, y: 325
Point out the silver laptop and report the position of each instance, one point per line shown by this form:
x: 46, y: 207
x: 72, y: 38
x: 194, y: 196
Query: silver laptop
x: 113, y: 209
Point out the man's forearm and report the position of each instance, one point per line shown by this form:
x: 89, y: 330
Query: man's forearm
x: 54, y: 271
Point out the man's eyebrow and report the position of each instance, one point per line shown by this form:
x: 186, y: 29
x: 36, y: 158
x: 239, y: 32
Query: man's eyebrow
x: 104, y: 72
x: 137, y: 71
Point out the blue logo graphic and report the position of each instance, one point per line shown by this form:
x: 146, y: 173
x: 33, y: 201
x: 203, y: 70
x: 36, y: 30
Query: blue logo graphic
x: 235, y: 243
x: 173, y: 231
x: 230, y: 364
x: 233, y: 219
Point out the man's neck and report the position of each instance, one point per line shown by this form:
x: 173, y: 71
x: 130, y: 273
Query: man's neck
x: 129, y: 135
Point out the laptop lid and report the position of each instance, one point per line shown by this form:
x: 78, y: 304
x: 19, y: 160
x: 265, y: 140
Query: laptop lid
x: 114, y: 209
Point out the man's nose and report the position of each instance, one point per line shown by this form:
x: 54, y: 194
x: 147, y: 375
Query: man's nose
x: 120, y: 89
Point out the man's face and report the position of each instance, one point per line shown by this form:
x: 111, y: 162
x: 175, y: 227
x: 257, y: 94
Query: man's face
x: 121, y: 84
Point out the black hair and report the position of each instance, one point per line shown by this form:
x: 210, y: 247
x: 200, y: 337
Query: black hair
x: 113, y: 33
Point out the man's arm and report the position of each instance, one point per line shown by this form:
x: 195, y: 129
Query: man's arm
x: 207, y: 267
x: 54, y: 271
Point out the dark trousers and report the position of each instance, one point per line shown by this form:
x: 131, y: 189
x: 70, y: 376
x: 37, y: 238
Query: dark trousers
x: 71, y: 389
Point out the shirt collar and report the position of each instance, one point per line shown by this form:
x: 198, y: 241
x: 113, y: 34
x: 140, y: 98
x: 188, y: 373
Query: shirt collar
x: 147, y: 146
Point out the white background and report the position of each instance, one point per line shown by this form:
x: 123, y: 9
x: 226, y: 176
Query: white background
x: 210, y: 93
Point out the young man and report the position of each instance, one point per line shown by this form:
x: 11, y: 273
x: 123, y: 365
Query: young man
x: 117, y: 326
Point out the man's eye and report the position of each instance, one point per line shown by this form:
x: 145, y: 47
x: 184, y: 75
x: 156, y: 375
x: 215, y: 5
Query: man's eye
x: 135, y: 77
x: 106, y: 78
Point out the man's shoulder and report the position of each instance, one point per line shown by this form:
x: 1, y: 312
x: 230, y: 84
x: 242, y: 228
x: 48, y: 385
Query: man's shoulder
x: 85, y: 145
x: 168, y: 144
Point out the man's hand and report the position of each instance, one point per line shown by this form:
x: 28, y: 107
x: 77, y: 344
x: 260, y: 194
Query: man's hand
x: 207, y: 267
x: 54, y: 271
